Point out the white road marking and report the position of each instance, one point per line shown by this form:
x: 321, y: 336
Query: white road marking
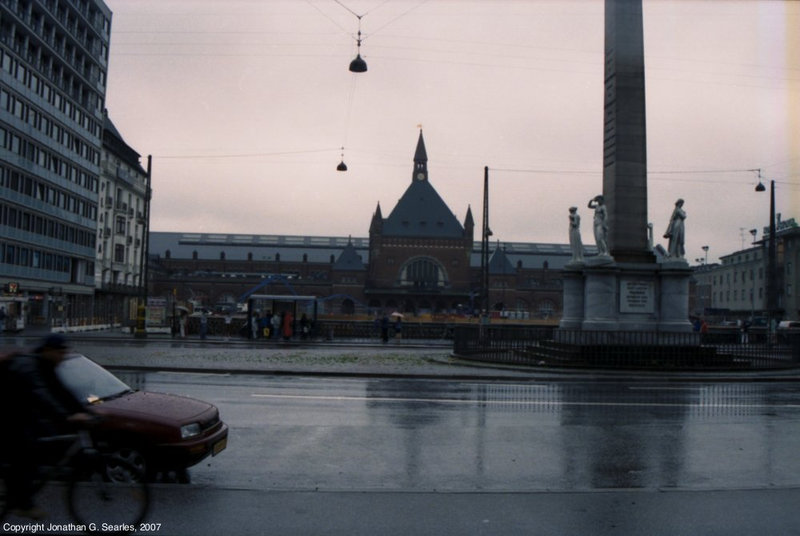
x: 331, y: 398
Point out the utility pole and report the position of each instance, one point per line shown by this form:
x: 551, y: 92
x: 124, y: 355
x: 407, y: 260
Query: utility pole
x: 141, y: 311
x: 485, y: 234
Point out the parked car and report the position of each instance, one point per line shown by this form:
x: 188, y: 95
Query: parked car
x: 156, y: 432
x: 789, y: 332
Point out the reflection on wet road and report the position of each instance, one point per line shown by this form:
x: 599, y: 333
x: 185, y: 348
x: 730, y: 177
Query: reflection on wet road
x: 424, y: 435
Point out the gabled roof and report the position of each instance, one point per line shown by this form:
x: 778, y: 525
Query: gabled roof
x: 422, y: 212
x: 349, y: 260
x: 499, y: 263
x: 112, y: 141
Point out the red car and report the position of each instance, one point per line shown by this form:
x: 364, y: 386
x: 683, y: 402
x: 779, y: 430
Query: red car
x: 158, y: 433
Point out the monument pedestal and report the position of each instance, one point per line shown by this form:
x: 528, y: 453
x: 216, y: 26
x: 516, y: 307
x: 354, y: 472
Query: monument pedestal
x: 604, y: 295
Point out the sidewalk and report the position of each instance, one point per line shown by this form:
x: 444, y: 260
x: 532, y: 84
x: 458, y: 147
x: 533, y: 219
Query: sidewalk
x: 342, y: 357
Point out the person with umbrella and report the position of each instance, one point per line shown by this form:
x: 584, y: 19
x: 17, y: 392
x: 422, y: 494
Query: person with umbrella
x: 398, y: 325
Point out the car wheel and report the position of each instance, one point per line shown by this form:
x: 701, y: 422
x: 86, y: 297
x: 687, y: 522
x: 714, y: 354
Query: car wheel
x: 130, y: 456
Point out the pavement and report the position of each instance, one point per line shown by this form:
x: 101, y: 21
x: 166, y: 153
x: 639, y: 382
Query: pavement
x: 119, y: 349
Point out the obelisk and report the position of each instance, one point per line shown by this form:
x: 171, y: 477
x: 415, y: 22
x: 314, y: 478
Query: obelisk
x: 625, y: 139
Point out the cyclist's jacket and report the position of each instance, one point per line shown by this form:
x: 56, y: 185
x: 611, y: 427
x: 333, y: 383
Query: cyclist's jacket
x: 33, y: 395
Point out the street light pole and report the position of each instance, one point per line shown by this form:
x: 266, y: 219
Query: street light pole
x: 141, y: 311
x: 772, y: 282
x: 485, y: 234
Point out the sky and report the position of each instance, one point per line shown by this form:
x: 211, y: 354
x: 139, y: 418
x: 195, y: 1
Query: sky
x: 247, y: 107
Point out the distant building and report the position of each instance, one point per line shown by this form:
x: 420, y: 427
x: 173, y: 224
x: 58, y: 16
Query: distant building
x: 421, y: 259
x: 739, y: 282
x: 53, y: 69
x: 122, y: 224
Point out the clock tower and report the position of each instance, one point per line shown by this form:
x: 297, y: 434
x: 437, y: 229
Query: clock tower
x: 419, y: 256
x: 420, y: 161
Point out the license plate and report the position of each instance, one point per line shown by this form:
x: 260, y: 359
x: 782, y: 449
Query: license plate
x: 219, y: 446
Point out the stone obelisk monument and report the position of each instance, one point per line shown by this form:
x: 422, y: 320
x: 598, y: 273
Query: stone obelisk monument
x: 625, y: 136
x: 625, y: 288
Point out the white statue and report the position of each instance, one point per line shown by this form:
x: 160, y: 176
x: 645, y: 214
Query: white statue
x: 575, y: 242
x: 675, y: 231
x: 600, y: 224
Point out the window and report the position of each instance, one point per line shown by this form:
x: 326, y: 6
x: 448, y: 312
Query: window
x: 119, y: 253
x: 120, y: 226
x: 422, y: 273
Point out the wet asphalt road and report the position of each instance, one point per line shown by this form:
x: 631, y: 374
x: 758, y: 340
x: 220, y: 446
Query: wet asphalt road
x: 421, y: 455
x: 298, y: 433
x: 399, y: 456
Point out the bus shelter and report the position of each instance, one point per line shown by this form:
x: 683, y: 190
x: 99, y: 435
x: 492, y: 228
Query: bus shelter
x: 260, y: 305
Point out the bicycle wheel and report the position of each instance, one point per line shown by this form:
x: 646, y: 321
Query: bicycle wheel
x: 106, y: 505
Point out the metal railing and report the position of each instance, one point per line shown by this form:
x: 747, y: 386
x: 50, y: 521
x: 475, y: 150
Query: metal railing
x: 553, y: 347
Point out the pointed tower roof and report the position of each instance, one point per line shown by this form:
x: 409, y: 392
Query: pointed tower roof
x: 349, y: 259
x: 468, y: 220
x: 421, y: 212
x: 376, y: 225
x: 420, y: 155
x: 499, y: 263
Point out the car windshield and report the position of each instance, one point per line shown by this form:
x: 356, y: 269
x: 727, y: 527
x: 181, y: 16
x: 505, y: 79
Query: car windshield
x: 88, y: 381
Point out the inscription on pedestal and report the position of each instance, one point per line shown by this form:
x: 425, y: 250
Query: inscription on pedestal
x: 637, y: 296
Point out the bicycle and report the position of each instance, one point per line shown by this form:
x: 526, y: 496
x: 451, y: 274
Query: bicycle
x: 104, y: 494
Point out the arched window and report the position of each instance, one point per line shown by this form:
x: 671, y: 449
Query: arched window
x: 423, y: 273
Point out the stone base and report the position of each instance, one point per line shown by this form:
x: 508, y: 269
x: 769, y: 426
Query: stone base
x: 605, y: 295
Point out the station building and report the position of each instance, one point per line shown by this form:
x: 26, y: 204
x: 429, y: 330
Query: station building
x: 421, y: 259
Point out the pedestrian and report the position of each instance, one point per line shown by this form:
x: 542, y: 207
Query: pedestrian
x: 182, y: 325
x: 228, y: 320
x: 276, y: 325
x: 203, y: 324
x: 305, y: 326
x: 385, y: 329
x: 287, y: 327
x: 264, y: 324
x: 398, y: 327
x: 744, y: 327
x: 254, y: 326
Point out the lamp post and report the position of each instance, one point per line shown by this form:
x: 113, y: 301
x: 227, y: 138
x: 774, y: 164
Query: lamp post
x: 485, y: 234
x: 141, y: 311
x: 772, y: 287
x: 705, y: 249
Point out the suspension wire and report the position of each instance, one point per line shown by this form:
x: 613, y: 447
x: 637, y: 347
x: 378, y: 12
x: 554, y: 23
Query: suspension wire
x: 342, y: 28
x: 243, y: 155
x: 397, y: 17
x: 665, y: 172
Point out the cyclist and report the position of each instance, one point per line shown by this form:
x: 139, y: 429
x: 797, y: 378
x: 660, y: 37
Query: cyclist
x: 36, y: 404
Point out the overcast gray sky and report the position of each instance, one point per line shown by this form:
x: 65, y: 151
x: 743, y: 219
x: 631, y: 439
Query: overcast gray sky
x: 245, y: 106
